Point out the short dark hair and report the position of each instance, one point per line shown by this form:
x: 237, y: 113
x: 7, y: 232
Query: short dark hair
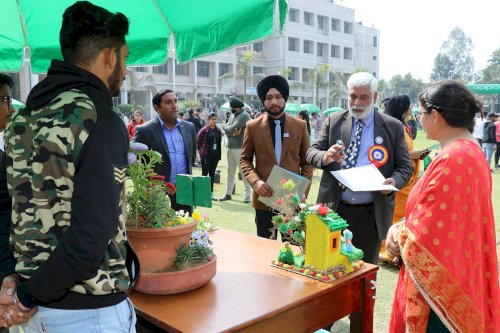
x: 454, y: 101
x: 7, y: 80
x: 313, y: 114
x: 88, y: 29
x: 190, y: 112
x: 212, y: 114
x: 138, y: 111
x: 157, y: 97
x: 396, y: 106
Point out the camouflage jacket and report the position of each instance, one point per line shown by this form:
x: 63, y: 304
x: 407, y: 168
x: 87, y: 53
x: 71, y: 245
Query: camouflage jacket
x: 66, y: 163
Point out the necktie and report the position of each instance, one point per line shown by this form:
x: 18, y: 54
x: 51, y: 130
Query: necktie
x: 352, y: 152
x: 277, y: 141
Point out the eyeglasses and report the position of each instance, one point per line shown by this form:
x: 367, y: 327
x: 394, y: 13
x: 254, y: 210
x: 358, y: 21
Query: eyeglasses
x: 6, y: 99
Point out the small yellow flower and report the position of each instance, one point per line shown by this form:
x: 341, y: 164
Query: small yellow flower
x: 196, y: 216
x: 182, y: 220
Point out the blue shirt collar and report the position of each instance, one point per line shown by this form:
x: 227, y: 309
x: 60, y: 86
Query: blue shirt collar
x: 177, y: 123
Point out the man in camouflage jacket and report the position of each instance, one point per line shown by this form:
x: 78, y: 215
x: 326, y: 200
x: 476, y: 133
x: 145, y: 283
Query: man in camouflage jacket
x: 65, y: 166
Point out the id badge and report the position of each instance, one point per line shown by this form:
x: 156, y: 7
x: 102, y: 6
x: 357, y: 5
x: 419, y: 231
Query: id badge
x: 215, y: 146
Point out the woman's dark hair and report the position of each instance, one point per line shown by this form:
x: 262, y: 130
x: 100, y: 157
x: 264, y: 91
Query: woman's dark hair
x: 454, y: 101
x: 138, y: 112
x: 397, y: 106
x: 88, y: 29
x: 211, y: 115
x: 305, y: 116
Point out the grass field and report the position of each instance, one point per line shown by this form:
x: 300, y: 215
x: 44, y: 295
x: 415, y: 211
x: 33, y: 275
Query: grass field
x: 236, y: 215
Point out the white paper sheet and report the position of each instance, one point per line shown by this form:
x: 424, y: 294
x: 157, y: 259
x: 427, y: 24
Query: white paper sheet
x: 364, y: 178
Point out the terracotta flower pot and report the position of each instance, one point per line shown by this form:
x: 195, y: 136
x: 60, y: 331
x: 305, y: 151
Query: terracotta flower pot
x: 168, y: 283
x: 157, y: 247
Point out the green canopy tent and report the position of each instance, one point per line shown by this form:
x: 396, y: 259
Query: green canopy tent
x: 226, y: 107
x: 332, y: 110
x: 198, y: 27
x: 310, y: 108
x: 292, y: 108
x: 485, y: 89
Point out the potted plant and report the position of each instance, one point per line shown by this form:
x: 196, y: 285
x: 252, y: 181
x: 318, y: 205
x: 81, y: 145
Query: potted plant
x: 160, y: 236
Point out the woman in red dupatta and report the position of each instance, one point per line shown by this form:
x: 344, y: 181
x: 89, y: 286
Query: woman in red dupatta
x: 449, y: 278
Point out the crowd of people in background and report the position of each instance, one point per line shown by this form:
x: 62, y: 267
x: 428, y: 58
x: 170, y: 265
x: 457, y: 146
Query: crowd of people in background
x: 76, y: 189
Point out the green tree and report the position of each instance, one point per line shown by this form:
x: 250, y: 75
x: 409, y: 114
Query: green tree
x: 406, y: 85
x: 491, y: 74
x: 455, y: 60
x: 189, y: 104
x: 244, y: 70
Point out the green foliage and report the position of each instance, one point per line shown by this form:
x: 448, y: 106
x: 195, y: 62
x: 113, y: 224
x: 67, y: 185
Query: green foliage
x: 244, y: 70
x: 491, y: 74
x: 191, y: 255
x: 286, y: 254
x: 147, y: 201
x: 455, y: 60
x: 404, y: 85
x: 189, y: 104
x: 124, y: 109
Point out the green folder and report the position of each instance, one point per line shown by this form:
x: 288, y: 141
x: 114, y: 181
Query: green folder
x: 193, y: 190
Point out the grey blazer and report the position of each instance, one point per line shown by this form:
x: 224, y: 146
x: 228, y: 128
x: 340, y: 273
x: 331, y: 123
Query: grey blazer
x: 151, y: 134
x: 338, y: 126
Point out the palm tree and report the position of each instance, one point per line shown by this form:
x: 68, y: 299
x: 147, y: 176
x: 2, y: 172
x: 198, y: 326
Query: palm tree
x: 244, y: 69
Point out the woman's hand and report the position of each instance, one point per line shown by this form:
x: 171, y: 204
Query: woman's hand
x: 416, y: 154
x: 391, y: 242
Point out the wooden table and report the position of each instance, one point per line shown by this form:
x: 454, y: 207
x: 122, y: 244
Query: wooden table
x: 248, y: 295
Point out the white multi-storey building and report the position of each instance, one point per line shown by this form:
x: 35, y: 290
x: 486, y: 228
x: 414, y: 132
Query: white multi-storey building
x: 317, y: 32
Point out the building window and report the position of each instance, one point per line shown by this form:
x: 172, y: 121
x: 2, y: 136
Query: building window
x: 182, y: 69
x: 293, y: 44
x: 335, y: 24
x: 335, y: 51
x: 293, y: 15
x: 142, y: 69
x: 257, y: 47
x: 294, y: 74
x: 308, y: 46
x: 347, y: 53
x: 374, y: 57
x: 258, y: 70
x: 375, y: 41
x: 374, y: 74
x: 305, y: 74
x: 224, y: 68
x: 321, y: 23
x: 203, y: 69
x: 319, y: 49
x: 162, y: 69
x: 348, y: 27
x: 308, y: 18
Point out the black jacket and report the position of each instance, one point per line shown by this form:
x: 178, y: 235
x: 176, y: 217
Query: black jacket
x: 489, y: 135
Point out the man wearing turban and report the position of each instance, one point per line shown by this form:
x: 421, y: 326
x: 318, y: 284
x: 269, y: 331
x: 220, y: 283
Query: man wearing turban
x: 273, y: 139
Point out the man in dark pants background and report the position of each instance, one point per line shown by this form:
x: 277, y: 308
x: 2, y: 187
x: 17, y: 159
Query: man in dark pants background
x: 173, y: 138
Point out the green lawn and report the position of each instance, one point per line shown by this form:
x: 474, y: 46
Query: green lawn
x: 236, y: 215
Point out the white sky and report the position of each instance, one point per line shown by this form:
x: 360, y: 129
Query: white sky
x: 412, y: 32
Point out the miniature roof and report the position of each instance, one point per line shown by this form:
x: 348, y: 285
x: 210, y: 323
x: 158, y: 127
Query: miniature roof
x: 333, y: 221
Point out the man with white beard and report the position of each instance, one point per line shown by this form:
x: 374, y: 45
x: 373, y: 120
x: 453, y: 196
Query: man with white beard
x: 357, y: 137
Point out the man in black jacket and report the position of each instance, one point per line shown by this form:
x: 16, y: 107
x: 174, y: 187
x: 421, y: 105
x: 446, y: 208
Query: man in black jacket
x: 489, y: 137
x: 66, y: 162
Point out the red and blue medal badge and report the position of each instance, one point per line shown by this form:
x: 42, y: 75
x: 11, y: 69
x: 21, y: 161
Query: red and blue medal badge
x: 378, y: 155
